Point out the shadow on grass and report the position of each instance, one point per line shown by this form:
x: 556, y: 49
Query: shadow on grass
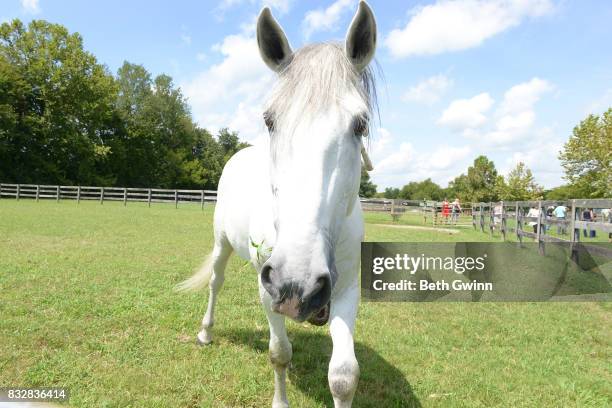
x: 380, y: 383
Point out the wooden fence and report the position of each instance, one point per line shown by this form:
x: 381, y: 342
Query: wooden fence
x: 433, y: 211
x: 395, y: 207
x: 101, y: 194
x: 499, y: 216
x: 430, y: 211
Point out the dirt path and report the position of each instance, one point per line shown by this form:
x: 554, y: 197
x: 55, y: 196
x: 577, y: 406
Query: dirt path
x: 416, y: 227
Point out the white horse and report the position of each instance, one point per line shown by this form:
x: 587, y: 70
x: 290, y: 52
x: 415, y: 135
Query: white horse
x: 292, y: 208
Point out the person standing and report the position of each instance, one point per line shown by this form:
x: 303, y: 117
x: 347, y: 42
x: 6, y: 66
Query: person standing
x: 559, y: 213
x: 455, y: 211
x: 445, y: 210
x: 534, y: 213
x: 606, y: 216
x: 589, y: 216
x: 549, y: 215
x: 497, y: 214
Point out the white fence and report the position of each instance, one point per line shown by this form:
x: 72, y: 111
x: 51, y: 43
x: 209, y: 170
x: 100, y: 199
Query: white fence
x: 101, y: 194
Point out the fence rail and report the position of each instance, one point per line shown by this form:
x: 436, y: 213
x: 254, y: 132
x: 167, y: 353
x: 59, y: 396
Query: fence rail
x: 101, y: 194
x: 431, y: 211
x: 494, y: 216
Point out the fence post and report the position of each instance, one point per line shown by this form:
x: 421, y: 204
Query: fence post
x: 124, y: 196
x: 101, y: 195
x: 0, y: 191
x: 574, y: 234
x: 434, y: 214
x: 503, y: 221
x: 57, y: 194
x: 175, y: 198
x: 491, y: 220
x: 149, y: 198
x: 539, y: 229
x: 518, y: 226
x: 202, y: 198
x: 78, y: 194
x: 481, y: 218
x: 37, y: 192
x: 18, y: 191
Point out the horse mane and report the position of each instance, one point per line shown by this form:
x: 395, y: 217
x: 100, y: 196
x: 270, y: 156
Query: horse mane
x: 318, y: 76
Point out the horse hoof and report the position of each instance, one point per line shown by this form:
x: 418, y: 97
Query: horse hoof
x: 203, y: 339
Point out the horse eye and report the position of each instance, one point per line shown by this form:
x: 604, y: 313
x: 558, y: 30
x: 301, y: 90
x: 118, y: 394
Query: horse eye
x: 360, y: 126
x: 269, y: 121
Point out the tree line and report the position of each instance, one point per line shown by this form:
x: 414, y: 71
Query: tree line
x: 65, y: 119
x: 586, y: 159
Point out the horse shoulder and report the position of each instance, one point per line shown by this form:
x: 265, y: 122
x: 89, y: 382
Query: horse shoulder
x: 244, y: 200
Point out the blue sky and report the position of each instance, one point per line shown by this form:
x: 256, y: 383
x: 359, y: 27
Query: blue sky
x: 504, y: 78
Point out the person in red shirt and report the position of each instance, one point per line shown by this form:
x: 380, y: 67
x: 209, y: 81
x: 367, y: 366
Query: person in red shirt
x: 445, y: 210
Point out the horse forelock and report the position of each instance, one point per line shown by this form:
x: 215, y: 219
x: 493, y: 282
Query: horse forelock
x: 319, y: 76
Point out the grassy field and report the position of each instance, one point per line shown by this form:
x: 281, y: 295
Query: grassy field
x: 87, y: 302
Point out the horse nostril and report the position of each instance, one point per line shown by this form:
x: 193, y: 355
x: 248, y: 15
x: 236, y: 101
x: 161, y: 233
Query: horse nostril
x: 266, y: 280
x: 320, y: 294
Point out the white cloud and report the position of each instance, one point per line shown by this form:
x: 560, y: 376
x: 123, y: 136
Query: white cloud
x: 225, y: 4
x: 428, y: 91
x: 540, y: 155
x: 379, y: 144
x: 515, y: 117
x: 457, y: 25
x: 601, y: 104
x: 230, y: 93
x: 186, y: 39
x: 325, y: 19
x: 282, y: 6
x: 201, y: 56
x: 508, y: 134
x: 30, y: 6
x: 523, y: 97
x: 397, y: 163
x: 464, y: 114
x: 445, y: 157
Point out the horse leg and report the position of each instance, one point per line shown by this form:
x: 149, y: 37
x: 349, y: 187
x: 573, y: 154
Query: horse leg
x: 343, y: 374
x: 220, y: 255
x: 280, y: 350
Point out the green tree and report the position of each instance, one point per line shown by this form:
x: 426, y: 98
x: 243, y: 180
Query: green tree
x: 422, y: 190
x: 519, y: 185
x: 480, y: 184
x: 160, y: 145
x: 65, y: 119
x: 391, y: 192
x: 564, y: 192
x: 587, y: 156
x: 56, y: 108
x: 230, y: 143
x: 367, y: 189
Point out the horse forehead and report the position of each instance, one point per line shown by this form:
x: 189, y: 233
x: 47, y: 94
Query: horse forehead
x: 320, y: 131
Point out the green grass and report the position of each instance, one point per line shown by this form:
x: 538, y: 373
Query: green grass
x: 87, y: 302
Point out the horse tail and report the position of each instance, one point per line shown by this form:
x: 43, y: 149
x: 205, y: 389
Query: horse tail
x: 199, y: 279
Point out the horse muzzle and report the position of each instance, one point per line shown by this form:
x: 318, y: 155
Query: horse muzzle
x: 299, y: 296
x: 321, y: 317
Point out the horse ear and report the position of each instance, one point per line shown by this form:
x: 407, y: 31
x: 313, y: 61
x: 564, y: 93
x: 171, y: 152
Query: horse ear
x: 361, y: 37
x: 272, y: 42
